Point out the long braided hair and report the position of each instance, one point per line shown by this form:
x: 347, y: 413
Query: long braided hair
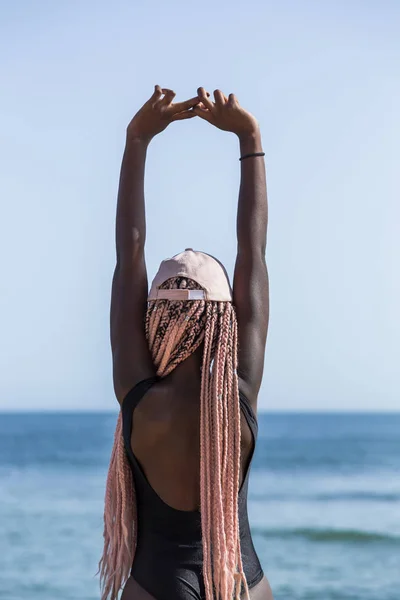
x: 174, y: 330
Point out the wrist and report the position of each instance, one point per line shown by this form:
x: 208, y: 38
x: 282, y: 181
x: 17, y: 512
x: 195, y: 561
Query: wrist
x: 137, y: 140
x: 250, y: 142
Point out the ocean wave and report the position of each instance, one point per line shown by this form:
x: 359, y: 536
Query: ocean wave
x: 328, y: 535
x: 380, y: 496
x: 327, y: 496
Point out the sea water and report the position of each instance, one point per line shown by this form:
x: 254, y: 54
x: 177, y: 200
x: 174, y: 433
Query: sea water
x: 324, y: 504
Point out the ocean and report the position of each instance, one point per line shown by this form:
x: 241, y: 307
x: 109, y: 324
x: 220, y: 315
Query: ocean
x: 324, y: 504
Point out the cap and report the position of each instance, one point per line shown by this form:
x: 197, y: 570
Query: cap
x: 203, y: 268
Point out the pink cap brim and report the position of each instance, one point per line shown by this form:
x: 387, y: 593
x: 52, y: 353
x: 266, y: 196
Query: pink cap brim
x: 179, y: 294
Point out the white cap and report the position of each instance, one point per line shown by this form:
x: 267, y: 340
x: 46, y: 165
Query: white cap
x: 203, y: 268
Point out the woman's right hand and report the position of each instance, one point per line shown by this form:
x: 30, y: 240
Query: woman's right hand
x: 226, y: 113
x: 157, y: 113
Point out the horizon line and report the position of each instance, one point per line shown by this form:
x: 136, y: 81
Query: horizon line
x: 259, y: 411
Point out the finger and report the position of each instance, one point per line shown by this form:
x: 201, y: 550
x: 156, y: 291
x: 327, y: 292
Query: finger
x: 219, y: 98
x: 204, y: 98
x: 186, y: 114
x: 232, y: 100
x: 180, y: 106
x: 203, y: 92
x: 156, y: 94
x: 203, y: 113
x: 168, y: 97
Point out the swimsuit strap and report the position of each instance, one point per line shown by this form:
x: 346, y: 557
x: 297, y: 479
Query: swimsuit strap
x: 134, y: 396
x: 249, y: 414
x: 130, y: 402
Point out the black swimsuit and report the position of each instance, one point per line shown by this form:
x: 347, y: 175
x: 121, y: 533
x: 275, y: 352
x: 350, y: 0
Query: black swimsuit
x: 169, y: 554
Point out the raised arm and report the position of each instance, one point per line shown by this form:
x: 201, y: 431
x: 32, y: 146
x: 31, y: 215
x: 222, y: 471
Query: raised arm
x: 250, y: 282
x: 131, y: 356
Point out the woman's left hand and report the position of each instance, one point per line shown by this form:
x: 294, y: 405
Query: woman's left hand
x: 157, y: 113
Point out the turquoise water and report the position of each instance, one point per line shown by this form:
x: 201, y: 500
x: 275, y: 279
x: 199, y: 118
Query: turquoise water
x: 324, y: 504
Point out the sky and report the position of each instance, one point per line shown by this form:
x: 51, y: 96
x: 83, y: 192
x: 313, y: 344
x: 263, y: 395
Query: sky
x: 322, y: 79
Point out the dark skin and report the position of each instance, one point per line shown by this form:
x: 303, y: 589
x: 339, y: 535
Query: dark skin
x: 165, y: 433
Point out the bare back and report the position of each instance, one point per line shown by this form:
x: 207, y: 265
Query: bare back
x: 165, y: 439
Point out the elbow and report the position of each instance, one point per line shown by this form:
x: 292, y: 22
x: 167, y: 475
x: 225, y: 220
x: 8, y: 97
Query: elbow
x: 138, y: 238
x: 253, y: 251
x: 131, y: 249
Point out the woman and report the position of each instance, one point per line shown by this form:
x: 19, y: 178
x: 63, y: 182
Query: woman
x: 187, y: 366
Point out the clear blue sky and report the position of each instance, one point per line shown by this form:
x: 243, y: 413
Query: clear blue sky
x: 323, y: 80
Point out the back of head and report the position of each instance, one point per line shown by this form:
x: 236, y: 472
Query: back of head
x: 198, y: 266
x: 175, y: 329
x: 188, y: 291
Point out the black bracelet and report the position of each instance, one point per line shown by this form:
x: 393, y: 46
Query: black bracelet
x: 253, y: 154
